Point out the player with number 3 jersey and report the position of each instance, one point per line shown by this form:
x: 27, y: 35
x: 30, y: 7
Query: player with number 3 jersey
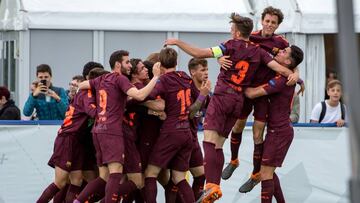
x: 227, y: 101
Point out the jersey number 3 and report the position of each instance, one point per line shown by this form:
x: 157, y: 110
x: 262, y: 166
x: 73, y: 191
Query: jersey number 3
x: 242, y: 67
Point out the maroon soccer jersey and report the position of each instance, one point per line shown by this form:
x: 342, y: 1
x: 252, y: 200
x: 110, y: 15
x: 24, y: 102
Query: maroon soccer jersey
x: 80, y: 109
x: 194, y: 123
x: 271, y: 45
x: 131, y: 116
x: 111, y: 97
x: 280, y: 96
x: 174, y: 88
x: 246, y: 57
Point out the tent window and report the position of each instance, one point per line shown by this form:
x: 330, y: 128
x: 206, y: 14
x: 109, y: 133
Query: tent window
x: 8, y: 65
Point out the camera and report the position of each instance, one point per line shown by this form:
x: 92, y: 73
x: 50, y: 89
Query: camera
x: 43, y: 82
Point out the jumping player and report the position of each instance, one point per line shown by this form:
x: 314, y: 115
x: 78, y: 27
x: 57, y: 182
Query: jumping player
x: 226, y: 104
x: 279, y: 131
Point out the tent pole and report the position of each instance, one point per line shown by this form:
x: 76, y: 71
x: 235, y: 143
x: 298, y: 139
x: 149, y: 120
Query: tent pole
x: 349, y: 65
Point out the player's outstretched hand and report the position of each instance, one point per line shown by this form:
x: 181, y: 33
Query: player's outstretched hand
x: 170, y: 41
x: 156, y: 69
x: 205, y: 88
x: 224, y: 62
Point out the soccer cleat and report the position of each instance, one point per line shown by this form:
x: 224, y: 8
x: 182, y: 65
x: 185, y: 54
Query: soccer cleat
x: 211, y: 194
x: 229, y: 169
x: 250, y: 184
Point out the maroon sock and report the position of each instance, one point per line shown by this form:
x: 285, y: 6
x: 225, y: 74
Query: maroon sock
x: 198, y: 186
x: 267, y: 191
x: 258, y: 151
x: 150, y: 190
x: 126, y: 188
x: 133, y: 196
x: 48, y: 193
x: 95, y: 188
x: 61, y: 195
x: 83, y: 184
x: 138, y: 197
x: 219, y: 164
x: 171, y: 192
x: 235, y: 144
x: 128, y: 198
x: 112, y: 188
x: 210, y: 160
x: 185, y: 192
x: 72, y: 193
x: 278, y: 194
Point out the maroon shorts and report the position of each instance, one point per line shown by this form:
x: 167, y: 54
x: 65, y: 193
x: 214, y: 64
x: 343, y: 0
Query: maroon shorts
x: 222, y: 112
x: 196, y: 157
x: 276, y: 145
x: 89, y: 153
x: 260, y: 106
x: 148, y: 132
x: 132, y: 157
x: 172, y: 150
x: 109, y: 148
x: 68, y: 153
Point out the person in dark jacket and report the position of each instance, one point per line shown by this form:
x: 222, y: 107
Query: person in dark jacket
x: 8, y: 109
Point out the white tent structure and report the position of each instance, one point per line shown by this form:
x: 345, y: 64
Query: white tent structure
x: 305, y: 23
x: 66, y: 34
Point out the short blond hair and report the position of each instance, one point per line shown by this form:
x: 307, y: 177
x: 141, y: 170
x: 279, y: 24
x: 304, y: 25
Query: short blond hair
x: 333, y: 83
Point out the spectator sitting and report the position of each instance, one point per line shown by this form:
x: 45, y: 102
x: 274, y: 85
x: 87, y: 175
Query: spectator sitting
x: 330, y: 110
x: 8, y: 109
x: 49, y: 101
x: 73, y: 85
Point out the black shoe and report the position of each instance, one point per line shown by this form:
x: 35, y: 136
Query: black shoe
x: 250, y: 184
x: 229, y: 169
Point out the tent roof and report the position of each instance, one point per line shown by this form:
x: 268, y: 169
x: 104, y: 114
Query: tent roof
x: 154, y: 15
x: 306, y: 16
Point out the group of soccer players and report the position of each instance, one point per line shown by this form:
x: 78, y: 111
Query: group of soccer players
x: 145, y: 130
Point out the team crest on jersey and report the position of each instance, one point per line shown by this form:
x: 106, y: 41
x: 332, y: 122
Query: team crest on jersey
x: 272, y: 83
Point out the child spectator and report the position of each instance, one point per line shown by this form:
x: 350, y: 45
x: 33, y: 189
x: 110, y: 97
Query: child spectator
x: 331, y: 110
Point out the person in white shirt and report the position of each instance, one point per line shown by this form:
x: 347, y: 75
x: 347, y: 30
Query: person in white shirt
x: 330, y: 110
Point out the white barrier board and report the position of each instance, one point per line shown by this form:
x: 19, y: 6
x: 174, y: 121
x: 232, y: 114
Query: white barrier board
x: 316, y: 169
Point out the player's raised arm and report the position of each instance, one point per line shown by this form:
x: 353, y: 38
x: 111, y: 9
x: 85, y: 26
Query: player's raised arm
x: 144, y: 92
x: 190, y: 49
x: 282, y: 70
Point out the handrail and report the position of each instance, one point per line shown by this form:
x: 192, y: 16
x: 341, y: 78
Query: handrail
x: 59, y: 122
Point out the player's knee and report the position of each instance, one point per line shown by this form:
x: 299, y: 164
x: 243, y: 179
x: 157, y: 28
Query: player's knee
x: 239, y: 126
x: 138, y: 181
x: 60, y: 183
x: 258, y: 138
x: 177, y: 178
x: 197, y: 171
x: 266, y: 175
x: 115, y: 167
